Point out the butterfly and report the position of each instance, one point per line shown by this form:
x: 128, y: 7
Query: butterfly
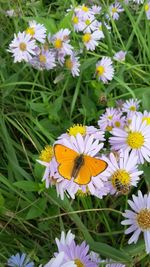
x: 78, y: 166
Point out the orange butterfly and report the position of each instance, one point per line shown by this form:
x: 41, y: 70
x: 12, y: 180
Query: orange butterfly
x: 79, y: 166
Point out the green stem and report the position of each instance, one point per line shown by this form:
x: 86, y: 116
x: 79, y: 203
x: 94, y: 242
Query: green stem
x: 65, y: 205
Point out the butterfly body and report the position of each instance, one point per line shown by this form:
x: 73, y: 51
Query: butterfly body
x: 78, y: 163
x: 78, y: 166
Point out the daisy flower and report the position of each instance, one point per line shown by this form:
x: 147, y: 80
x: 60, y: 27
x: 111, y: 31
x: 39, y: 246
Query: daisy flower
x: 51, y: 175
x: 114, y: 10
x: 131, y: 106
x: 119, y: 104
x: 86, y: 145
x: 95, y: 257
x: 147, y: 10
x: 83, y: 12
x: 79, y: 254
x: 99, y: 30
x: 122, y: 173
x: 135, y: 138
x: 90, y: 25
x: 10, y: 13
x: 138, y: 219
x: 22, y: 47
x: 115, y: 265
x: 61, y: 41
x: 37, y: 31
x: 58, y: 261
x: 90, y: 40
x: 95, y: 9
x: 83, y: 130
x: 120, y: 56
x: 44, y: 60
x: 105, y: 121
x: 126, y: 2
x: 46, y: 159
x: 72, y: 63
x: 110, y: 263
x: 138, y: 1
x: 104, y: 69
x: 65, y: 239
x: 78, y: 23
x: 20, y: 260
x: 145, y: 116
x: 118, y: 121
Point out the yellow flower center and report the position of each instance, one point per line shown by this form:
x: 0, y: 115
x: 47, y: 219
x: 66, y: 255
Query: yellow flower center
x: 109, y: 128
x: 121, y: 176
x: 30, y: 31
x: 86, y: 37
x: 146, y: 7
x: 87, y: 22
x: 69, y: 64
x: 143, y: 219
x: 147, y: 119
x: 78, y: 263
x: 58, y: 43
x: 100, y: 27
x: 132, y: 108
x: 75, y: 20
x: 45, y: 46
x: 129, y: 121
x: 42, y: 58
x: 77, y: 128
x: 80, y: 193
x: 100, y: 70
x: 22, y: 46
x: 85, y: 9
x: 110, y: 117
x: 113, y: 10
x: 117, y: 124
x: 135, y: 140
x: 46, y: 154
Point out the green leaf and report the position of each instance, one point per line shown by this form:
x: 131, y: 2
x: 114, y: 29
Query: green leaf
x: 1, y: 201
x: 48, y: 22
x: 88, y: 63
x: 66, y: 22
x: 55, y: 108
x: 39, y: 107
x: 27, y: 186
x: 89, y: 107
x: 110, y: 252
x: 146, y: 170
x: 76, y: 93
x: 145, y: 100
x: 35, y: 212
x: 135, y: 249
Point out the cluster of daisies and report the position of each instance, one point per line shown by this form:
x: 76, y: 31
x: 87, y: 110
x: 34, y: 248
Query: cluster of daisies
x: 125, y: 130
x: 46, y: 51
x: 42, y: 50
x: 69, y: 254
x: 122, y: 139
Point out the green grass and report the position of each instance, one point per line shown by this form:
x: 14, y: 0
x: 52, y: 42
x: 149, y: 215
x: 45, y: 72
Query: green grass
x: 31, y: 116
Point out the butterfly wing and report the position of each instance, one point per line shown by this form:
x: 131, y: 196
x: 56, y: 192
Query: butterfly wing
x: 65, y: 158
x: 63, y: 153
x: 91, y: 167
x: 84, y: 176
x: 96, y: 166
x: 65, y: 169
